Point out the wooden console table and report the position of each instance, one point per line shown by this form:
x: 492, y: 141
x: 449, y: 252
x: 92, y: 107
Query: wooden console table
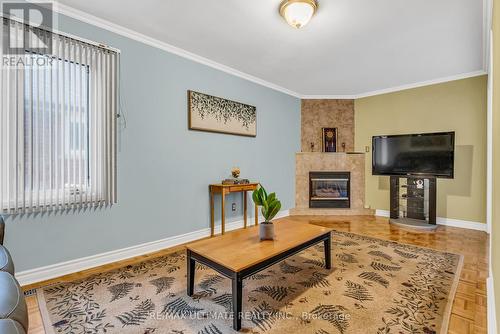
x: 224, y: 189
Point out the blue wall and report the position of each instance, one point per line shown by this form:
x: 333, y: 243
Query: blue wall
x: 163, y: 168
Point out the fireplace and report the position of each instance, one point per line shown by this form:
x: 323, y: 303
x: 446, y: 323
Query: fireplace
x: 329, y: 189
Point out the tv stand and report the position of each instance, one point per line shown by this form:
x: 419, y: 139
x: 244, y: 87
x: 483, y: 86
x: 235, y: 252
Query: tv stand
x: 413, y: 201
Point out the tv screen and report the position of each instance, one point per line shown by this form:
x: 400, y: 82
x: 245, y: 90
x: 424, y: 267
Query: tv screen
x: 426, y: 154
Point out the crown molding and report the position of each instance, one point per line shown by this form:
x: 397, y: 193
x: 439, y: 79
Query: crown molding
x: 400, y: 88
x: 329, y: 97
x: 61, y: 33
x: 424, y: 83
x: 134, y: 35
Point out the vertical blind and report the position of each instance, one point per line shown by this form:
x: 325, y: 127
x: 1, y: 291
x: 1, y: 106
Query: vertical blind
x: 57, y: 123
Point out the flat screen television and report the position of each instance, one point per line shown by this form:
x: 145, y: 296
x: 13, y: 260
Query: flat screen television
x: 425, y: 154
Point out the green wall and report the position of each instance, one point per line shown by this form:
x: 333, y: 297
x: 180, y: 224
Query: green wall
x: 495, y: 242
x: 458, y: 106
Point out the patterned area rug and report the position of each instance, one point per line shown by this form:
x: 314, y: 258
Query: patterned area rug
x: 375, y: 286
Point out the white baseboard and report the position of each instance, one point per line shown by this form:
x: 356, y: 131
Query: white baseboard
x: 446, y: 222
x: 462, y: 224
x: 492, y: 318
x: 68, y: 267
x: 382, y: 213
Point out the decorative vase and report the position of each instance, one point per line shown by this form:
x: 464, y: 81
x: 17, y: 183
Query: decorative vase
x: 266, y: 231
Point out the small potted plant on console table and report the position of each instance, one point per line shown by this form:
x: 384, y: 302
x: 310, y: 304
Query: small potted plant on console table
x: 270, y: 207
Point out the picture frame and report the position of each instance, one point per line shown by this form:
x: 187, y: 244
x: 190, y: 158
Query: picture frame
x: 215, y: 114
x: 329, y: 139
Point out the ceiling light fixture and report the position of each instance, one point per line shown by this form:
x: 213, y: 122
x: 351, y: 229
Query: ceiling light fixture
x: 298, y: 13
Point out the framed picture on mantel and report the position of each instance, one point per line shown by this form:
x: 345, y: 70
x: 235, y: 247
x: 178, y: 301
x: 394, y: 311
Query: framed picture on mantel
x: 215, y: 114
x: 329, y: 139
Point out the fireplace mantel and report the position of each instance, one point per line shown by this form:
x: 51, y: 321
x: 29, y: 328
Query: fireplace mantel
x: 306, y: 162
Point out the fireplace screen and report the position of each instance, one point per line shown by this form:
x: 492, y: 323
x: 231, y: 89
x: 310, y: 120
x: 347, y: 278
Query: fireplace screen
x: 329, y: 189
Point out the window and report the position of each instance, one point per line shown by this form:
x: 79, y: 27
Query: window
x: 42, y: 114
x: 58, y: 126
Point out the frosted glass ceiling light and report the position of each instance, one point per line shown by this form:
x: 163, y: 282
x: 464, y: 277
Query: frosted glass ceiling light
x: 298, y: 13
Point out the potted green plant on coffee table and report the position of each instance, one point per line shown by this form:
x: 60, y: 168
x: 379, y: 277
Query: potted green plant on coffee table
x: 270, y: 206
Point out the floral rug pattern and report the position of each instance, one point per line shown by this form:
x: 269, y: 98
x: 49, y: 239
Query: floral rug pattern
x: 374, y: 286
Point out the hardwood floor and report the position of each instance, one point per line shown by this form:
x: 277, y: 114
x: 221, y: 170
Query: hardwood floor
x: 469, y: 307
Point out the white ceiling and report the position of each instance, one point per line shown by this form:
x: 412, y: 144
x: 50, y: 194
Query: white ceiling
x: 350, y: 47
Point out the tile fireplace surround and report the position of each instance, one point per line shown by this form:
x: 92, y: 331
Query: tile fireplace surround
x: 354, y: 163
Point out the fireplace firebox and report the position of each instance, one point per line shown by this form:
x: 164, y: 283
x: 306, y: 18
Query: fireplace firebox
x: 329, y: 189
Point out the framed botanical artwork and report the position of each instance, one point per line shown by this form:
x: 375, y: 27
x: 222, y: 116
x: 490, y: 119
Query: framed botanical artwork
x: 329, y: 139
x: 215, y: 114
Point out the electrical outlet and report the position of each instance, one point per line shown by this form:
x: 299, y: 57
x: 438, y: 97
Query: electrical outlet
x: 233, y: 207
x: 30, y: 292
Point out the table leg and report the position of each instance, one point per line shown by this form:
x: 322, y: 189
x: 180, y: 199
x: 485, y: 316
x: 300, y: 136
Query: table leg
x: 245, y: 208
x: 212, y: 223
x: 237, y: 283
x: 191, y: 265
x: 328, y: 252
x: 223, y: 212
x: 256, y: 214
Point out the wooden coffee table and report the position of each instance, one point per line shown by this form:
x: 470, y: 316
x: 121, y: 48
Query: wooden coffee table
x: 240, y: 254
